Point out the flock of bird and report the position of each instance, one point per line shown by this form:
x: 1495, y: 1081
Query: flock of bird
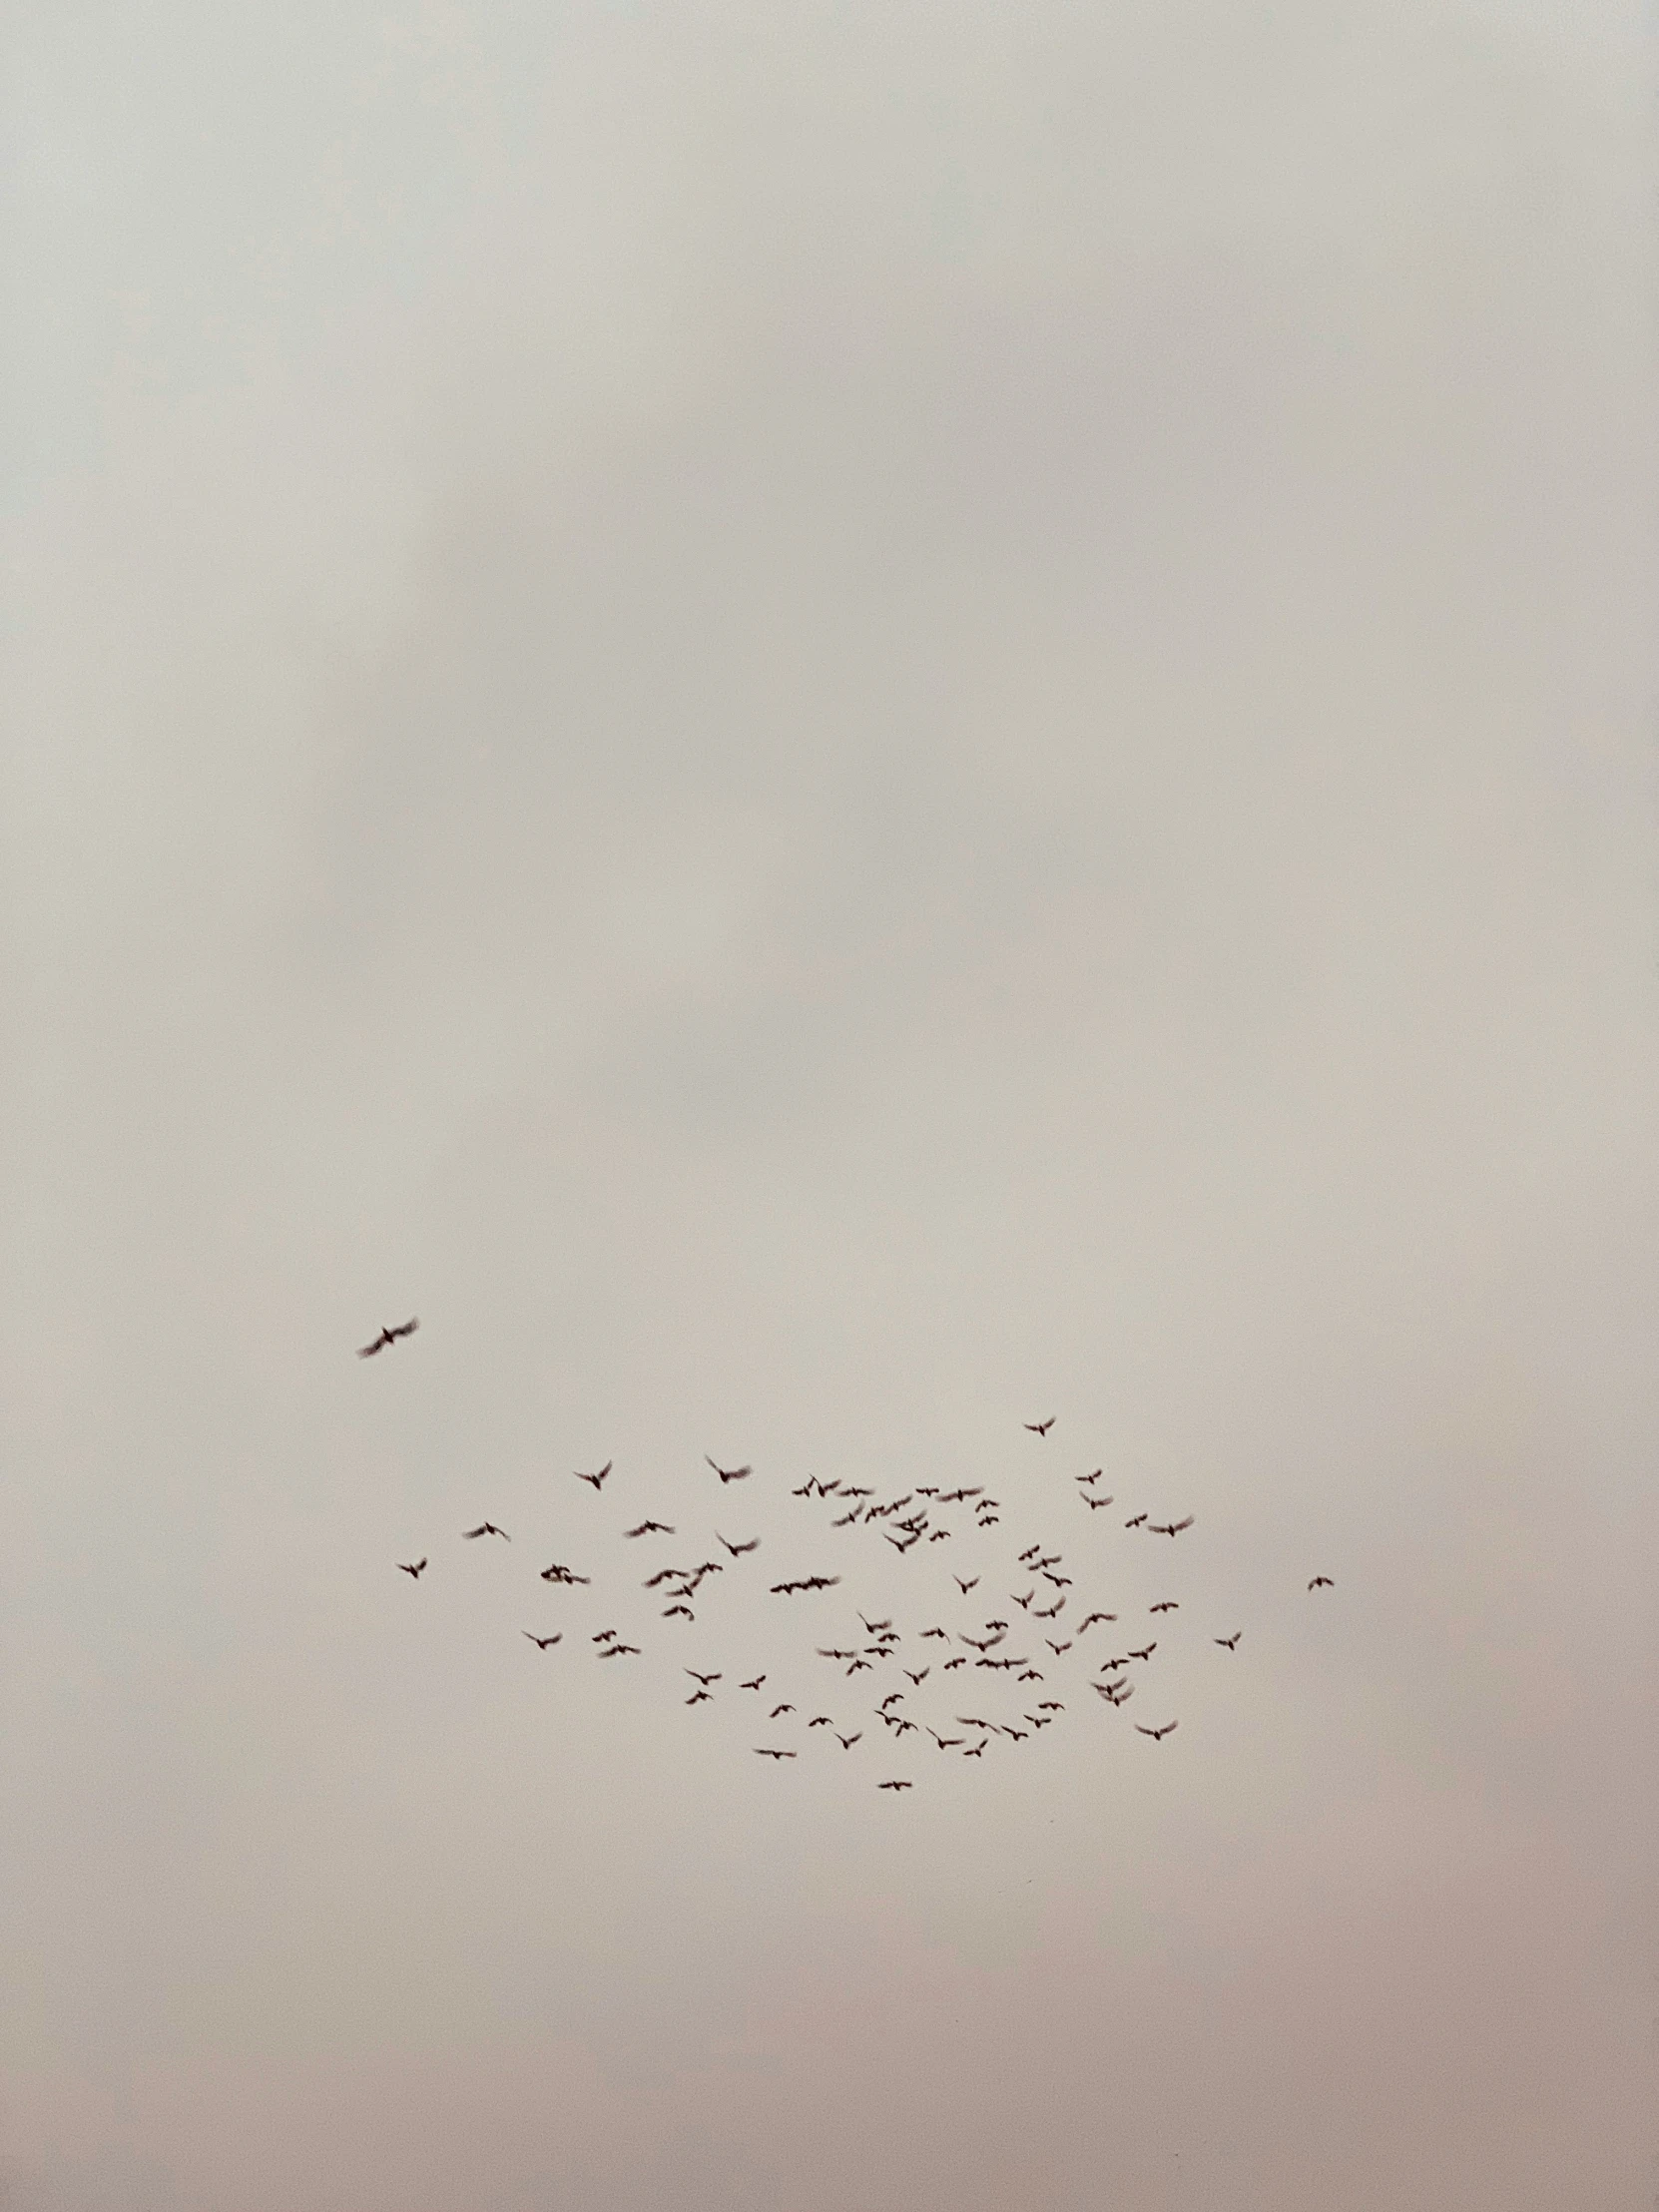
x: 951, y: 1651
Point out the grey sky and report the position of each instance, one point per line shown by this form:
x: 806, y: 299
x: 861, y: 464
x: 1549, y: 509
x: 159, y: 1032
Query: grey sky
x: 834, y: 727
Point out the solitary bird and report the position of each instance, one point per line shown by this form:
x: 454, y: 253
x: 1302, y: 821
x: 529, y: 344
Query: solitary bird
x: 729, y: 1475
x: 1171, y: 1529
x: 1060, y: 1649
x: 413, y: 1572
x: 1229, y: 1643
x: 487, y: 1528
x: 1040, y: 1427
x: 1166, y: 1605
x: 542, y: 1643
x: 650, y: 1528
x: 595, y: 1479
x: 556, y: 1574
x: 820, y: 1720
x: 1168, y: 1729
x: 894, y: 1785
x: 765, y: 1754
x: 388, y: 1336
x: 1321, y: 1582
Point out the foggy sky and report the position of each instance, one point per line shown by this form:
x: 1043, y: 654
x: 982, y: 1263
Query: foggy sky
x: 834, y: 727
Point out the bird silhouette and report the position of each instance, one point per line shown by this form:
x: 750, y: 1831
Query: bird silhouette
x: 1040, y: 1427
x: 1168, y: 1729
x: 1096, y: 1504
x: 1229, y: 1643
x: 387, y: 1337
x: 729, y: 1475
x: 703, y: 1679
x: 1095, y: 1478
x: 965, y: 1587
x: 765, y: 1754
x: 650, y: 1528
x: 1136, y: 1522
x: 847, y: 1741
x: 820, y: 1720
x: 487, y: 1528
x: 737, y: 1550
x: 670, y: 1611
x: 894, y: 1785
x: 1060, y: 1649
x: 951, y: 1665
x: 1145, y: 1653
x: 918, y: 1679
x: 1093, y: 1617
x: 556, y: 1574
x: 542, y: 1643
x: 1170, y: 1528
x: 776, y: 1709
x: 1166, y: 1605
x: 595, y: 1479
x: 413, y: 1572
x: 700, y: 1697
x: 1321, y: 1582
x: 978, y: 1751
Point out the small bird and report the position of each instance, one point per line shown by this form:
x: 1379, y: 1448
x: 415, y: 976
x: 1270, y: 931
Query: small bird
x: 703, y: 1679
x: 1050, y: 1705
x: 1095, y: 1478
x: 700, y: 1697
x: 669, y: 1612
x: 542, y: 1643
x: 776, y: 1709
x: 1321, y: 1582
x: 943, y: 1634
x: 847, y: 1741
x: 978, y: 1751
x: 387, y: 1337
x: 1093, y: 1617
x: 1144, y: 1654
x: 917, y: 1679
x: 893, y: 1697
x: 1095, y: 1504
x: 965, y: 1587
x: 1168, y: 1605
x: 1229, y: 1643
x: 1168, y: 1728
x: 820, y: 1720
x: 1170, y: 1528
x: 605, y: 1636
x: 951, y: 1665
x: 595, y: 1479
x: 1058, y: 1649
x: 413, y: 1572
x: 754, y: 1685
x: 650, y: 1528
x: 487, y: 1528
x: 946, y: 1743
x: 765, y: 1754
x: 1040, y: 1427
x: 729, y: 1475
x: 1136, y: 1522
x: 894, y: 1785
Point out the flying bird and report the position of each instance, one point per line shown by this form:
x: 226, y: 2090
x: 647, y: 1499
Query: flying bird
x: 487, y: 1528
x: 669, y: 1611
x: 820, y: 1720
x: 1229, y: 1643
x: 729, y: 1475
x: 894, y: 1785
x: 700, y: 1697
x: 917, y: 1679
x: 704, y: 1679
x: 542, y: 1642
x: 1166, y: 1605
x: 1321, y: 1582
x: 765, y: 1754
x: 1093, y: 1617
x: 754, y: 1685
x: 776, y: 1709
x: 650, y: 1528
x: 1040, y: 1427
x: 413, y: 1572
x: 1168, y: 1728
x: 1171, y: 1529
x: 1095, y: 1478
x: 1060, y: 1649
x: 1144, y: 1654
x: 1136, y: 1522
x: 595, y: 1479
x: 847, y: 1741
x: 387, y: 1337
x: 1095, y: 1503
x: 965, y: 1587
x: 605, y: 1636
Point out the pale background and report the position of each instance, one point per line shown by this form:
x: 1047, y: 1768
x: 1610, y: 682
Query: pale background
x: 833, y: 726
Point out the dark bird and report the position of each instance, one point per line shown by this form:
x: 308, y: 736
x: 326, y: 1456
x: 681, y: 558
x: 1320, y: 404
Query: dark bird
x: 1040, y: 1427
x: 617, y: 1651
x: 947, y: 1743
x: 965, y: 1587
x: 893, y: 1697
x: 765, y: 1754
x: 704, y: 1679
x: 1060, y: 1581
x: 952, y: 1664
x: 776, y: 1709
x: 858, y: 1664
x: 1144, y: 1654
x: 918, y: 1679
x: 1047, y: 1612
x: 1058, y: 1649
x: 543, y: 1643
x: 1024, y: 1602
x: 1136, y: 1522
x: 595, y: 1479
x: 416, y: 1571
x: 1168, y: 1728
x: 1171, y: 1529
x: 700, y: 1697
x: 1050, y: 1705
x: 1166, y: 1605
x: 1028, y: 1554
x: 943, y: 1634
x: 387, y: 1337
x: 754, y: 1685
x: 826, y: 1654
x: 1030, y: 1675
x: 1229, y: 1643
x: 1095, y: 1503
x: 847, y: 1741
x: 894, y: 1785
x: 844, y: 1520
x: 650, y: 1528
x: 820, y: 1720
x: 875, y: 1628
x: 605, y: 1636
x: 978, y: 1751
x: 1093, y: 1617
x: 1095, y: 1478
x: 1321, y: 1582
x: 487, y: 1528
x: 669, y: 1612
x: 729, y: 1475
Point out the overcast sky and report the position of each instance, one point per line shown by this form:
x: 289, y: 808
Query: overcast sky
x: 834, y: 727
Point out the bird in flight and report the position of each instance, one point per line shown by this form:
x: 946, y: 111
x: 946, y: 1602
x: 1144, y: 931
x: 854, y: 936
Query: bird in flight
x: 1136, y: 1522
x: 388, y: 1336
x: 1229, y: 1643
x: 1060, y: 1649
x: 543, y: 1643
x: 965, y: 1587
x: 1168, y: 1728
x: 1095, y: 1478
x: 413, y: 1572
x: 1165, y: 1605
x: 1321, y: 1582
x: 820, y: 1720
x: 556, y: 1574
x: 776, y: 1709
x: 729, y: 1475
x: 700, y: 1697
x: 1145, y: 1653
x: 650, y: 1528
x: 754, y: 1685
x: 595, y: 1479
x: 1171, y: 1529
x: 737, y: 1550
x: 765, y: 1754
x: 978, y: 1751
x: 892, y: 1785
x: 617, y: 1651
x: 1040, y: 1427
x: 704, y: 1679
x: 847, y: 1741
x: 1093, y: 1617
x: 1095, y: 1504
x: 669, y: 1612
x: 487, y: 1528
